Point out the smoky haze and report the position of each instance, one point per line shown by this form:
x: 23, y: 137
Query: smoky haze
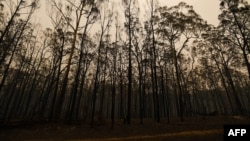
x: 207, y: 9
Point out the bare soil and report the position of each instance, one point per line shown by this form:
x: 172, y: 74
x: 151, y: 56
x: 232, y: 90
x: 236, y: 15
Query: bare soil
x: 208, y: 128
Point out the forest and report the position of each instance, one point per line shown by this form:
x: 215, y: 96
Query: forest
x: 98, y: 64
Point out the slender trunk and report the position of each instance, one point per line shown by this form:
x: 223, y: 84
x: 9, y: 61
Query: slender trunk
x: 178, y: 81
x: 74, y: 90
x: 54, y: 97
x: 234, y: 91
x: 122, y: 111
x: 61, y: 97
x: 224, y: 85
x: 167, y: 95
x: 96, y: 79
x: 103, y: 84
x: 128, y: 119
x: 113, y: 91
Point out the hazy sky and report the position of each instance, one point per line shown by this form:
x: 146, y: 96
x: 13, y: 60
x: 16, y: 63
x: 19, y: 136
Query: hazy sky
x: 207, y: 9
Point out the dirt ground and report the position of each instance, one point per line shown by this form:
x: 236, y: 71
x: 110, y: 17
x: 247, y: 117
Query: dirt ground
x: 194, y: 128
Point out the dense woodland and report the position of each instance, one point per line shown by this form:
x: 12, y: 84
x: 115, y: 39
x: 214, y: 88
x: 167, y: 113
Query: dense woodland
x: 96, y: 63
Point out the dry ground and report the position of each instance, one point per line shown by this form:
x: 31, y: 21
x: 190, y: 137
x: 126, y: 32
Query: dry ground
x: 195, y: 128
